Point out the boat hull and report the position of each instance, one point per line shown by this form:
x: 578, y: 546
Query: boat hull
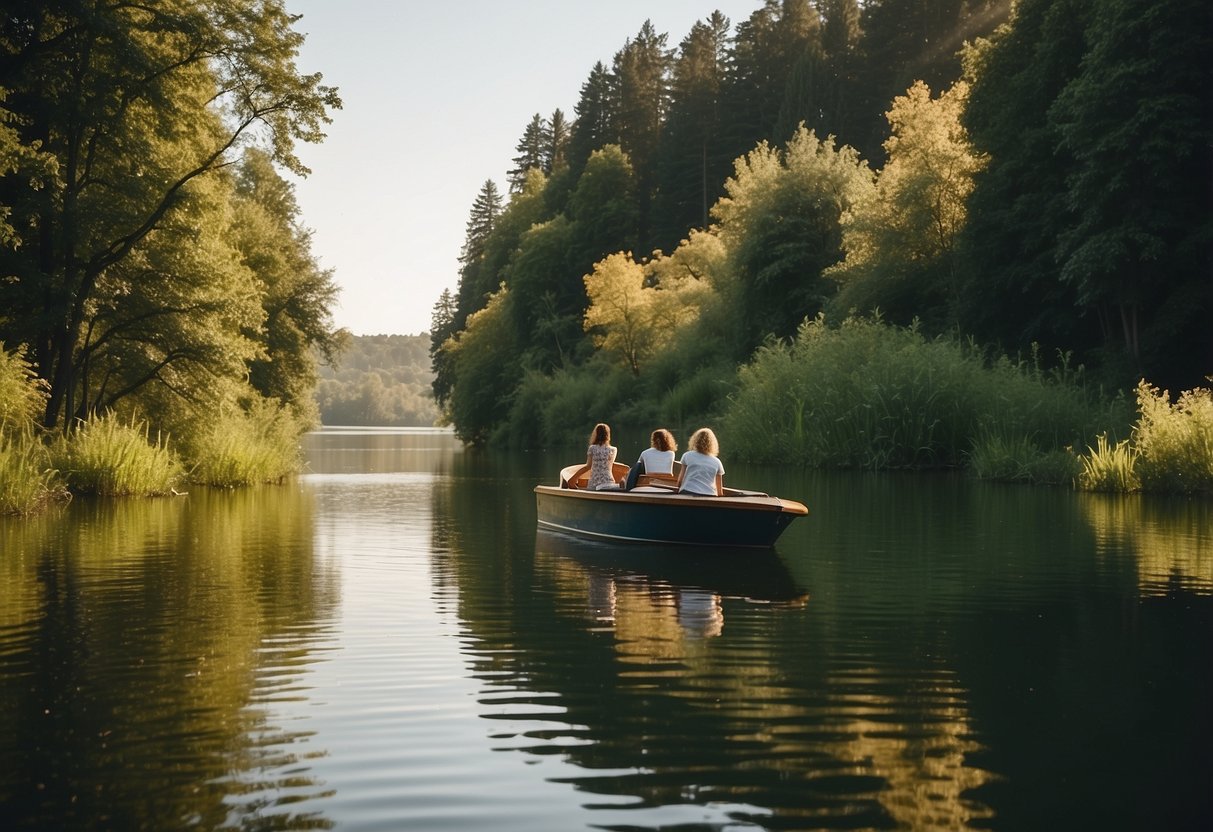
x: 752, y: 520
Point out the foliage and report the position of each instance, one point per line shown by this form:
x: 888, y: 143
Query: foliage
x: 379, y: 380
x: 109, y: 458
x: 900, y: 237
x: 870, y: 395
x: 1174, y: 442
x: 296, y: 295
x: 635, y: 310
x: 141, y: 109
x: 245, y: 447
x: 486, y: 369
x: 1109, y: 467
x: 22, y: 393
x: 1091, y: 227
x: 781, y: 224
x: 28, y: 482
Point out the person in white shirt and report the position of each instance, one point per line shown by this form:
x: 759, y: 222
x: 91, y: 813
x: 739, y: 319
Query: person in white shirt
x: 702, y: 472
x: 658, y: 458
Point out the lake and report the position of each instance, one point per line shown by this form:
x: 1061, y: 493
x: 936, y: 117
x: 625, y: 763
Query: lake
x: 386, y: 643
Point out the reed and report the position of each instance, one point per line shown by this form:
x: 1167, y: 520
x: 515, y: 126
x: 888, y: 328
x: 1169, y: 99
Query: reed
x: 28, y: 481
x: 244, y: 447
x: 106, y: 457
x: 1109, y: 467
x: 22, y: 394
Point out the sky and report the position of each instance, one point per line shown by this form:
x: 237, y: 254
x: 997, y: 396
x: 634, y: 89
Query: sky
x: 436, y: 96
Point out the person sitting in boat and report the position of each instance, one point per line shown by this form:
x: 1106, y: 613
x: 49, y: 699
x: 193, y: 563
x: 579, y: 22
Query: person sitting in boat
x: 658, y: 458
x: 702, y: 472
x: 598, y: 460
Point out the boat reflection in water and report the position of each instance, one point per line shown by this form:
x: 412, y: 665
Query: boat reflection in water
x: 679, y: 585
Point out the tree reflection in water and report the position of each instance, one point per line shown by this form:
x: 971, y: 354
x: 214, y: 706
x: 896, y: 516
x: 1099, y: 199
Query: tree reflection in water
x: 143, y: 641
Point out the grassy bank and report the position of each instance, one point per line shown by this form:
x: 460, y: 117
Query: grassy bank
x: 112, y: 455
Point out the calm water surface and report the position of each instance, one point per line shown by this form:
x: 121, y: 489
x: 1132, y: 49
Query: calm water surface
x: 388, y: 643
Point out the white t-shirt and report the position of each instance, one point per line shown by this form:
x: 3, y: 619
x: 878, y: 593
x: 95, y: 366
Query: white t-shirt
x: 700, y: 472
x: 657, y: 462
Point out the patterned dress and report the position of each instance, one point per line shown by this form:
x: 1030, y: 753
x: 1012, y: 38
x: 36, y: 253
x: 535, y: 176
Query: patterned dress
x: 601, y: 457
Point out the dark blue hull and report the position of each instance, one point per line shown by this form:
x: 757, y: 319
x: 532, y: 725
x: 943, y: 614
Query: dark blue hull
x: 752, y: 521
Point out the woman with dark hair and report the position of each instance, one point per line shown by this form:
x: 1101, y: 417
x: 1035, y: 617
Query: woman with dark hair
x: 598, y: 460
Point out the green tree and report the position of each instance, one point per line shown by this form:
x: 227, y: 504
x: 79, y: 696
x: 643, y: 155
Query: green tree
x: 641, y: 70
x: 596, y: 125
x: 486, y: 370
x: 766, y: 47
x: 1138, y: 121
x: 693, y: 161
x: 1013, y: 294
x: 442, y: 327
x: 912, y: 40
x: 532, y: 150
x: 781, y: 224
x: 546, y: 298
x: 602, y: 209
x: 296, y: 294
x: 477, y: 276
x: 139, y: 106
x: 900, y: 241
x: 555, y: 142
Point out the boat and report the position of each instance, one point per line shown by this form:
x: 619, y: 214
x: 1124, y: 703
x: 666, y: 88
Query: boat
x: 654, y: 512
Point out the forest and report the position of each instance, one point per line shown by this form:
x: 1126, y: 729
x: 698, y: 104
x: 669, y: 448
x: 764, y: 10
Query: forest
x: 379, y: 380
x: 156, y: 279
x: 1007, y: 188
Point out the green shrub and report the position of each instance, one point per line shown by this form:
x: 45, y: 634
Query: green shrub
x: 106, y: 457
x: 242, y: 447
x: 1174, y: 442
x: 869, y: 395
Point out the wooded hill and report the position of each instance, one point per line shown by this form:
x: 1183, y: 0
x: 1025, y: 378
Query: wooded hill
x: 379, y: 380
x: 1034, y: 177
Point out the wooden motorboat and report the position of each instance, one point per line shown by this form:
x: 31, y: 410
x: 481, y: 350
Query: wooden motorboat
x: 654, y: 512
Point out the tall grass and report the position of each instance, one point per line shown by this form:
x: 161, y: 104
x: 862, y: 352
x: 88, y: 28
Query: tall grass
x: 1109, y: 467
x: 1171, y: 448
x: 869, y: 395
x: 22, y: 394
x: 28, y: 481
x: 244, y: 447
x: 106, y: 457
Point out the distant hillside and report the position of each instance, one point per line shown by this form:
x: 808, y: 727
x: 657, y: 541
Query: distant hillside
x: 380, y: 380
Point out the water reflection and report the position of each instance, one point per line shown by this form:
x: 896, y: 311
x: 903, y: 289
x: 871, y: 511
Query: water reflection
x: 676, y: 583
x: 388, y: 643
x: 1169, y: 539
x: 143, y: 644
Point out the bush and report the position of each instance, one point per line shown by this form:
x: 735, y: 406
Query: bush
x: 108, y: 458
x: 1174, y: 442
x: 243, y: 447
x: 870, y: 395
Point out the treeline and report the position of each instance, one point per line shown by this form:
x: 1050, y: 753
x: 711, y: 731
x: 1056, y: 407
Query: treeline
x: 1037, y: 185
x: 379, y: 380
x: 153, y: 263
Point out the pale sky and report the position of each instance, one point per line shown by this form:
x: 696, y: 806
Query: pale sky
x: 436, y: 96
